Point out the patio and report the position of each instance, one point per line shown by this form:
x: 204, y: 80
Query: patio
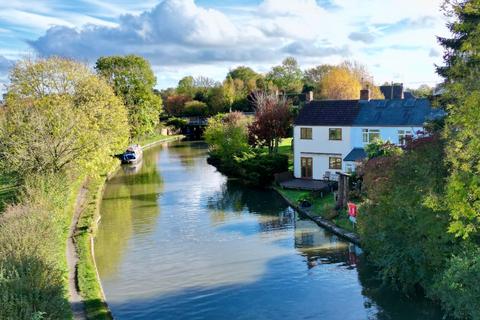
x: 308, y: 184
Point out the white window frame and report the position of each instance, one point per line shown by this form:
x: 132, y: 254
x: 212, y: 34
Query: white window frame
x: 402, y: 135
x: 366, y: 135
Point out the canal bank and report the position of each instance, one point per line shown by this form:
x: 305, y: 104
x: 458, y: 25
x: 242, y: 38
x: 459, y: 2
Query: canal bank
x: 87, y: 296
x: 179, y: 240
x: 322, y: 222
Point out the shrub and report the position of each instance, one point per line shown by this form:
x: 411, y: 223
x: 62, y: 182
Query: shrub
x: 195, y: 109
x: 402, y: 227
x: 177, y: 123
x: 32, y: 246
x: 259, y: 168
x: 458, y: 286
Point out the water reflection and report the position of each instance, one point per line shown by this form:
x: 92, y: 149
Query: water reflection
x: 179, y: 241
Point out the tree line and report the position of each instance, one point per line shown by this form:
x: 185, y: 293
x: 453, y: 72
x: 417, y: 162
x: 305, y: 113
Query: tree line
x: 205, y: 97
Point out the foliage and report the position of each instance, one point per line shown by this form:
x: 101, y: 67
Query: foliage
x: 246, y: 75
x: 340, y: 84
x: 458, y: 286
x: 379, y: 148
x: 59, y: 116
x: 177, y: 123
x: 186, y: 87
x: 272, y: 121
x: 258, y: 169
x: 423, y: 91
x: 32, y: 249
x: 402, y: 226
x: 227, y: 135
x: 175, y: 104
x: 462, y: 98
x: 195, y: 109
x: 287, y: 77
x: 216, y: 100
x: 133, y: 80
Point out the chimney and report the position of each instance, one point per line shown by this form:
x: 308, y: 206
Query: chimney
x: 309, y: 96
x: 365, y: 94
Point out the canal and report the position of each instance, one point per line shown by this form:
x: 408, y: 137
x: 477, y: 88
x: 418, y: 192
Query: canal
x: 177, y: 240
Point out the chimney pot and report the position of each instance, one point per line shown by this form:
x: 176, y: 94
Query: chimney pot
x: 365, y: 94
x: 309, y: 96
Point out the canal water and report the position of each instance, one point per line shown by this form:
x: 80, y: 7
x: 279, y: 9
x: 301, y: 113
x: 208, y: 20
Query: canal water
x: 177, y: 240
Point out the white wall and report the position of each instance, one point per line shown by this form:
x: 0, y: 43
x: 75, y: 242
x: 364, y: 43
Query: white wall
x: 320, y: 148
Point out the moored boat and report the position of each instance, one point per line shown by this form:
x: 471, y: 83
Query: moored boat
x: 132, y: 155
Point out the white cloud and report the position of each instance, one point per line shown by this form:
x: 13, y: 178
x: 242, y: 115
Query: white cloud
x: 180, y: 36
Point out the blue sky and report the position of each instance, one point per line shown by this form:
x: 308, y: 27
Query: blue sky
x: 395, y: 39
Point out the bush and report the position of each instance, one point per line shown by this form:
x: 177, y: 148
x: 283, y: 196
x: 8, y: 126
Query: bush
x: 195, y: 109
x: 32, y: 249
x: 458, y: 287
x: 177, y: 123
x: 402, y: 227
x: 259, y: 168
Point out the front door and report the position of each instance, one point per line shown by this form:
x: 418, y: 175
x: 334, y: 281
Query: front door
x: 307, y: 168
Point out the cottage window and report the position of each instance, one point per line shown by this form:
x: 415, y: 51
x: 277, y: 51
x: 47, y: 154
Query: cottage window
x: 370, y: 135
x: 335, y: 163
x: 306, y: 133
x: 403, y: 136
x: 335, y: 134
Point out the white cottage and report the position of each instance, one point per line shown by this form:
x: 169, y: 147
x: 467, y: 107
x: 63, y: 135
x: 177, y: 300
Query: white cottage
x: 330, y: 135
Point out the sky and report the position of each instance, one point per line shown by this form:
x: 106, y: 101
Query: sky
x: 396, y: 40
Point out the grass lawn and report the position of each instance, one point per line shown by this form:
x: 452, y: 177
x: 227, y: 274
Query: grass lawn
x: 285, y: 147
x: 8, y: 190
x: 323, y: 207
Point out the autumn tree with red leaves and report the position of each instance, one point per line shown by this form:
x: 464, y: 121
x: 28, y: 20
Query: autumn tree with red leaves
x: 272, y: 121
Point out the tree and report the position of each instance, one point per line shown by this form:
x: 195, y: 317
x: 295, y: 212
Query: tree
x: 245, y: 74
x: 186, y: 87
x: 195, y: 109
x: 423, y: 91
x: 175, y: 104
x: 461, y: 71
x: 132, y: 79
x: 287, y: 77
x: 340, y: 84
x: 216, y: 100
x: 272, y: 121
x: 227, y: 135
x: 58, y: 116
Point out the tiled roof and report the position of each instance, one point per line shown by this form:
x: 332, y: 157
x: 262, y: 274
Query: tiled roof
x: 356, y: 154
x: 328, y: 112
x: 397, y: 112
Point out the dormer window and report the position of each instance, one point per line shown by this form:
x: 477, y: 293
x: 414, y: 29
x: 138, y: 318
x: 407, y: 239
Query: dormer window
x: 335, y: 134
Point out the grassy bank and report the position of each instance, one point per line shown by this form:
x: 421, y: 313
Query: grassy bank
x: 8, y: 191
x: 321, y: 206
x: 88, y: 281
x: 33, y: 270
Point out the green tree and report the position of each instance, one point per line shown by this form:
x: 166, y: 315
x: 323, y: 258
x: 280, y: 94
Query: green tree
x: 186, y: 87
x: 227, y: 135
x: 132, y: 79
x: 462, y: 100
x: 287, y: 77
x: 58, y: 116
x: 423, y: 91
x: 195, y: 109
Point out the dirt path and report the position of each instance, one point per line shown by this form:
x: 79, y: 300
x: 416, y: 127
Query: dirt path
x: 76, y: 301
